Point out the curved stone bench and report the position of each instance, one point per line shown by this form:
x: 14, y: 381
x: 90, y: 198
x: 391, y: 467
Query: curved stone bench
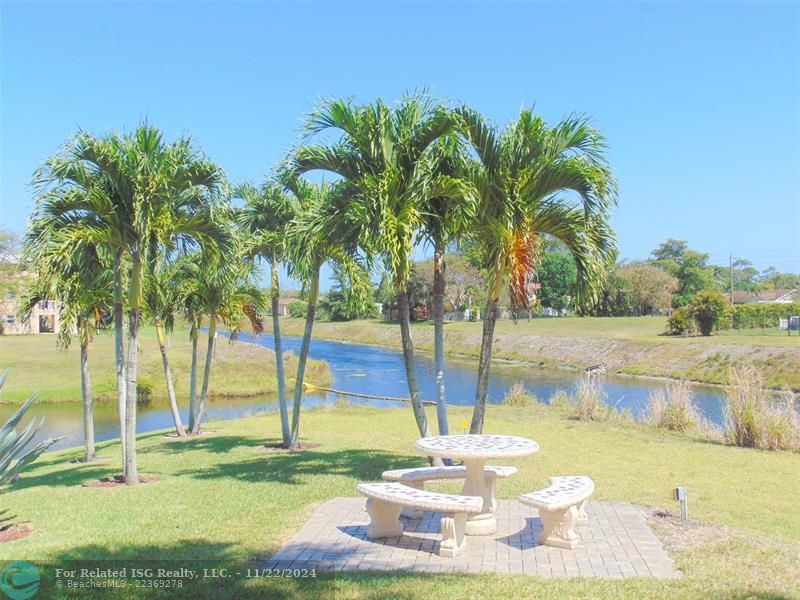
x: 386, y: 500
x: 561, y: 506
x: 417, y: 477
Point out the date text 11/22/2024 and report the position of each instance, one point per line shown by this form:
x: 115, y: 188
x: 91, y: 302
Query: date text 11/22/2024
x: 182, y: 573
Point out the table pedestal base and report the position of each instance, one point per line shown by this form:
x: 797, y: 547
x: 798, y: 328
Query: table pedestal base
x: 482, y: 524
x: 476, y: 484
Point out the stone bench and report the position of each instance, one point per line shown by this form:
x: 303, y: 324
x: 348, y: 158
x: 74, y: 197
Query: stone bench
x: 417, y: 477
x: 561, y: 506
x: 386, y: 500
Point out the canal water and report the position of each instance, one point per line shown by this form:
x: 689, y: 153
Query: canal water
x: 376, y: 371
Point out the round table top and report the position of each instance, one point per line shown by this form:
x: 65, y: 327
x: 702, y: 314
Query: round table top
x: 476, y: 446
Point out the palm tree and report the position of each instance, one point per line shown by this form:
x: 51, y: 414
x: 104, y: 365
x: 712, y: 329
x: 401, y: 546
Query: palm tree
x: 447, y: 209
x: 162, y: 299
x: 81, y: 282
x: 190, y: 305
x: 81, y: 203
x: 228, y: 295
x: 380, y: 152
x: 325, y: 228
x: 267, y: 212
x: 533, y: 180
x: 133, y: 193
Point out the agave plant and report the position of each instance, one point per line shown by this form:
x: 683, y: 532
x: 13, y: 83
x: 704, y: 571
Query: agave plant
x: 12, y: 444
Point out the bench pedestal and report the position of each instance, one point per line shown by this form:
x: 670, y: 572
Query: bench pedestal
x: 559, y: 527
x: 384, y: 519
x: 453, y: 539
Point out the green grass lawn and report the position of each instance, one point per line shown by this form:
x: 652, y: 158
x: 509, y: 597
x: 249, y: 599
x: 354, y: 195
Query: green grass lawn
x: 627, y: 345
x: 220, y: 500
x: 240, y: 369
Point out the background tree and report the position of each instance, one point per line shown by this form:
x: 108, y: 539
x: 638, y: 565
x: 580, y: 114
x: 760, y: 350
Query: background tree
x: 689, y: 267
x: 463, y: 283
x: 265, y: 217
x: 558, y: 278
x: 519, y: 179
x: 613, y: 299
x: 745, y: 275
x: 649, y: 288
x: 342, y: 302
x: 772, y: 279
x: 12, y: 278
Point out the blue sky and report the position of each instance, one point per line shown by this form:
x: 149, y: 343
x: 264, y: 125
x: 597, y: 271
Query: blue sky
x: 700, y: 101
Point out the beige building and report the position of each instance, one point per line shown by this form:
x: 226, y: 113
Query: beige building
x: 44, y: 317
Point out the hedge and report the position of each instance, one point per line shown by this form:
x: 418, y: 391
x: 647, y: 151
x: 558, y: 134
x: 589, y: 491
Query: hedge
x: 752, y: 316
x: 743, y: 316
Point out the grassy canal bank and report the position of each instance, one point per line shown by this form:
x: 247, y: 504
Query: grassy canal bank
x: 220, y: 501
x: 626, y: 345
x: 239, y: 369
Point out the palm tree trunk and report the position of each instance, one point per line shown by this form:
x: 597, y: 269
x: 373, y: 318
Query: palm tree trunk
x: 193, y: 381
x: 119, y: 350
x: 212, y: 333
x: 485, y: 361
x: 86, y: 393
x: 279, y: 367
x: 173, y: 403
x: 408, y: 361
x: 311, y: 311
x: 438, y: 342
x: 131, y: 472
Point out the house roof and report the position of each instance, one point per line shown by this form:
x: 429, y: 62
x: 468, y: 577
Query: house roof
x: 772, y: 295
x: 743, y: 296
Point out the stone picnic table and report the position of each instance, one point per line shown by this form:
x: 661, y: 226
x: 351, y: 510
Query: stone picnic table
x: 474, y: 450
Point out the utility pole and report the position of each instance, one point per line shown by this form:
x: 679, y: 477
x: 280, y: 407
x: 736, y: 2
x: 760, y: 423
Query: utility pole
x: 730, y: 258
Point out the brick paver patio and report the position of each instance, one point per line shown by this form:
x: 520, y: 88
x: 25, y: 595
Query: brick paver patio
x: 616, y: 543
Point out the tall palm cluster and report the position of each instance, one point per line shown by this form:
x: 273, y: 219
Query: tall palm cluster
x: 133, y: 226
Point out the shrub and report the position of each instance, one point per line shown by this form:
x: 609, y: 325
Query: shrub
x: 339, y: 306
x: 517, y: 395
x: 342, y: 402
x: 144, y: 393
x: 561, y: 400
x: 753, y: 418
x: 708, y: 309
x: 297, y: 309
x: 672, y: 407
x: 590, y: 402
x: 681, y: 322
